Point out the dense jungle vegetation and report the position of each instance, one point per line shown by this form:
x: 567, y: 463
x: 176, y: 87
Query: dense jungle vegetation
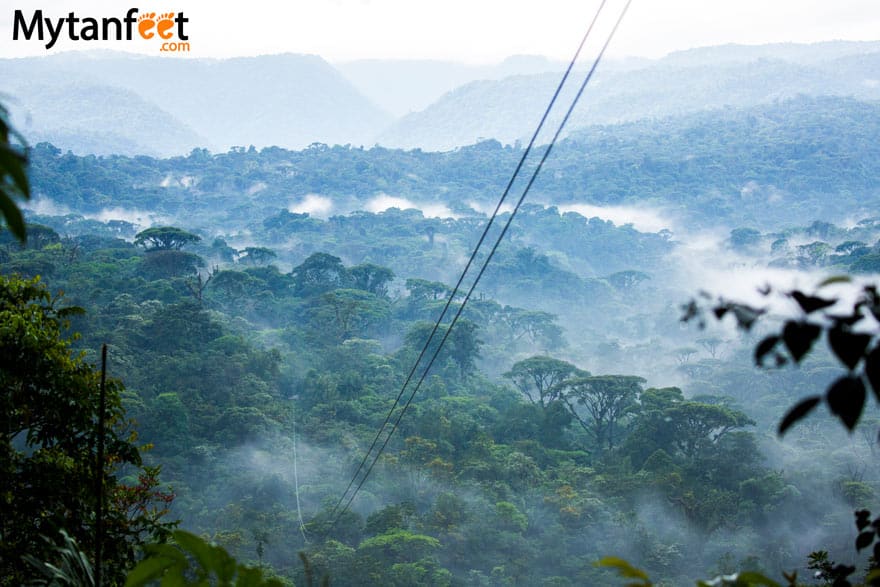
x: 259, y: 347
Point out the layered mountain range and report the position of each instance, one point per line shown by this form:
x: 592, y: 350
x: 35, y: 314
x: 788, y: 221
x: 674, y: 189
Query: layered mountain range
x: 107, y: 102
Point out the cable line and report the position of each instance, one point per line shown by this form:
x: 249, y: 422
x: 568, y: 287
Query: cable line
x: 302, y: 526
x: 492, y: 252
x: 473, y: 255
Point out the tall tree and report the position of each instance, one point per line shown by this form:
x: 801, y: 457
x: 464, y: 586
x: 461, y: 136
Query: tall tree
x: 607, y: 399
x: 50, y: 412
x: 165, y: 238
x: 319, y: 273
x: 539, y: 378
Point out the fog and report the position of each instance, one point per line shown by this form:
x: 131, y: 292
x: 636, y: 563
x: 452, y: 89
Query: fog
x: 644, y: 219
x: 384, y: 202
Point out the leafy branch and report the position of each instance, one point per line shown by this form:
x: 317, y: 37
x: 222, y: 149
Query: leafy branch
x: 852, y: 336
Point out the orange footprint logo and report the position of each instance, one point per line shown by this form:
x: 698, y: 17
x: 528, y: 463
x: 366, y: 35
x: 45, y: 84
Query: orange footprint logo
x: 164, y: 25
x: 145, y: 23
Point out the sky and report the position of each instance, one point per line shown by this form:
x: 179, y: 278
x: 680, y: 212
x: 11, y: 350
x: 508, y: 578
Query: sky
x: 471, y: 31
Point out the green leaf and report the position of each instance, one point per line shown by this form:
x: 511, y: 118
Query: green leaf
x: 623, y: 567
x: 848, y: 346
x: 249, y: 577
x: 836, y: 279
x: 798, y: 412
x: 751, y: 578
x: 846, y: 399
x: 149, y: 569
x: 198, y: 548
x: 799, y: 338
x: 810, y: 304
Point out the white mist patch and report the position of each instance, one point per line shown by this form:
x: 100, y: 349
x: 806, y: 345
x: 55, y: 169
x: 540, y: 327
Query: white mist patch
x: 384, y: 202
x: 257, y: 188
x: 642, y: 219
x: 185, y: 181
x: 140, y: 218
x: 703, y: 259
x: 487, y: 209
x: 313, y: 205
x: 46, y: 207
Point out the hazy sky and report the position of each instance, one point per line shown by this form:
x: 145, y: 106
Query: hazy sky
x: 476, y: 31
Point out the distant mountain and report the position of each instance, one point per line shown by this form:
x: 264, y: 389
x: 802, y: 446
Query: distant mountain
x: 282, y: 100
x: 803, y: 54
x: 86, y: 117
x: 404, y: 86
x: 508, y: 109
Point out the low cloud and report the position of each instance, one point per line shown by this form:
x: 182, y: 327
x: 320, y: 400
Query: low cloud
x: 314, y: 205
x: 642, y: 219
x: 384, y: 202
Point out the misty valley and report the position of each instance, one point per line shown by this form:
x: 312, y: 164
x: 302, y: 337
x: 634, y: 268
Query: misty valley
x: 265, y: 306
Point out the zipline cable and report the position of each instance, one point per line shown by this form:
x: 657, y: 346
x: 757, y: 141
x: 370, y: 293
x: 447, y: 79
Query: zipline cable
x: 302, y: 526
x: 491, y: 254
x: 474, y: 254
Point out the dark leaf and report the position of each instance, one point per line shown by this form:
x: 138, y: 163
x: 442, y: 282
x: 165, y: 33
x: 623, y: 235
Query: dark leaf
x: 864, y: 540
x: 798, y: 412
x: 872, y: 300
x: 848, y: 346
x: 872, y: 370
x: 849, y: 320
x: 810, y: 304
x: 746, y: 315
x: 763, y: 348
x: 799, y: 338
x: 863, y: 519
x: 846, y: 399
x: 877, y: 551
x: 13, y: 216
x: 720, y: 311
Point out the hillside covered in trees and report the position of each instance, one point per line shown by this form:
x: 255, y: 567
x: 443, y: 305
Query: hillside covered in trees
x: 264, y: 307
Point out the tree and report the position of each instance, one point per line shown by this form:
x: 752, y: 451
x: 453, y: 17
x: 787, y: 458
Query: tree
x: 371, y: 278
x: 681, y: 427
x: 49, y: 427
x: 350, y: 312
x: 539, y: 378
x: 165, y: 238
x: 423, y: 290
x: 465, y: 345
x: 319, y: 273
x: 165, y: 263
x: 462, y: 345
x: 256, y: 256
x: 538, y: 327
x: 607, y: 399
x: 697, y: 425
x: 744, y: 239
